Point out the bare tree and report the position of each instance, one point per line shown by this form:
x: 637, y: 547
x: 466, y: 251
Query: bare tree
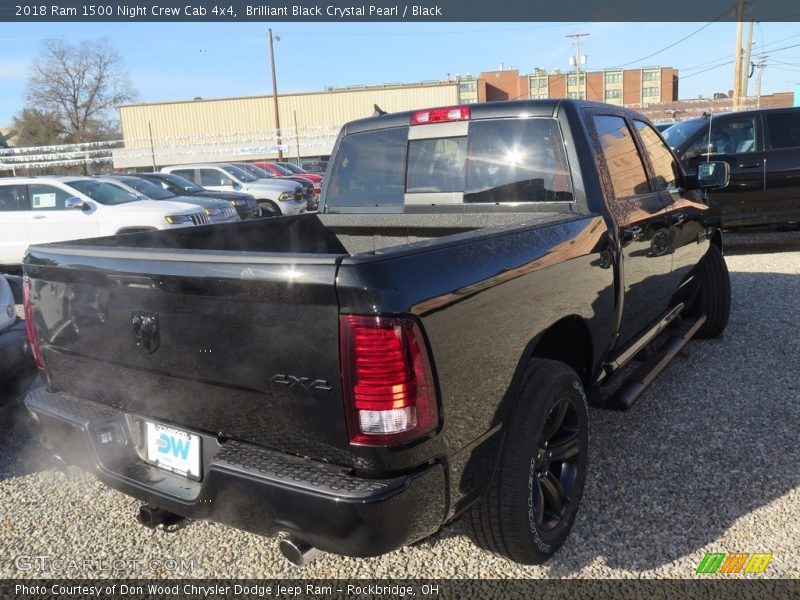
x: 80, y: 85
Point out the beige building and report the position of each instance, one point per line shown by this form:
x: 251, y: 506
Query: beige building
x: 239, y: 129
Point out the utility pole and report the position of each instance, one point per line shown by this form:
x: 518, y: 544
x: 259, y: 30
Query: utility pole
x: 760, y: 66
x: 737, y: 55
x: 275, y: 95
x: 747, y: 46
x: 152, y: 148
x: 297, y: 137
x: 577, y: 39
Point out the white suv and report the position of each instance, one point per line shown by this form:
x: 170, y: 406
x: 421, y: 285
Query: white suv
x: 37, y: 210
x: 275, y: 196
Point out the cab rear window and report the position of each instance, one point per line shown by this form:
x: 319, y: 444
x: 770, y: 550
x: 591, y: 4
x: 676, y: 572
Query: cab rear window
x: 498, y: 161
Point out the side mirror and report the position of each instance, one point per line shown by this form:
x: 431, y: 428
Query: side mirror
x: 74, y: 203
x: 713, y: 175
x: 226, y: 182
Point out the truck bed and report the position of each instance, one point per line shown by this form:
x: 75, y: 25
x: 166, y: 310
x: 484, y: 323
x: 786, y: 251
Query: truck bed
x: 243, y: 308
x: 326, y: 234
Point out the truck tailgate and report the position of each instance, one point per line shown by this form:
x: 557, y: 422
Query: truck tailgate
x: 244, y: 347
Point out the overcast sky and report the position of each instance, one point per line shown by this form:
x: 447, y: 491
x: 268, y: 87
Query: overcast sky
x: 169, y: 61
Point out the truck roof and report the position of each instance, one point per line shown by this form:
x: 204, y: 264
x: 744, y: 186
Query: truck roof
x: 480, y: 110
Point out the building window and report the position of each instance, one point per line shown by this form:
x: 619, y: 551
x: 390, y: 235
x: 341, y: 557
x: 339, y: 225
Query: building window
x: 651, y: 92
x: 466, y: 87
x: 572, y: 80
x: 539, y: 96
x: 468, y: 100
x: 613, y: 94
x: 575, y: 95
x: 651, y: 75
x: 612, y: 78
x: 538, y: 84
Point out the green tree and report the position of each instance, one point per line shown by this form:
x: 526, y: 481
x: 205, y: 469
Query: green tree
x: 37, y: 128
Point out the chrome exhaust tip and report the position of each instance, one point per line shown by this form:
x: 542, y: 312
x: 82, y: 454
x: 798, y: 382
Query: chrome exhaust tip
x: 297, y: 552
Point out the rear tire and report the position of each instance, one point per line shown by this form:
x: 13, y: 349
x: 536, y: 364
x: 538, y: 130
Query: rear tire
x: 531, y: 503
x: 714, y: 296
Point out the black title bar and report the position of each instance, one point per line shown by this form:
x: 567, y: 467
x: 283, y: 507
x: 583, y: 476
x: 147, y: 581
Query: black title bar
x: 390, y: 11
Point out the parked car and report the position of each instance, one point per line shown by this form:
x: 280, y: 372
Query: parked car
x: 762, y: 148
x: 422, y: 348
x: 315, y: 166
x: 35, y: 210
x: 217, y: 210
x: 16, y: 361
x: 245, y: 204
x: 308, y: 188
x: 282, y: 168
x: 274, y: 196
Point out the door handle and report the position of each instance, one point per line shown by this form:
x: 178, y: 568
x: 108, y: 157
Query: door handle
x: 750, y: 166
x: 630, y: 234
x: 39, y: 217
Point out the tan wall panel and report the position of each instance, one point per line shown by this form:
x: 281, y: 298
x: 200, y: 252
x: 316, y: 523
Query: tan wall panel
x: 256, y: 115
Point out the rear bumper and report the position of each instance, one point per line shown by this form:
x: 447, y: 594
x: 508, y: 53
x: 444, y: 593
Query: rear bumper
x: 245, y: 486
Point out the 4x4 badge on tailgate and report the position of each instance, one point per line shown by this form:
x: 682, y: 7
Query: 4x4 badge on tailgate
x: 145, y: 329
x: 304, y: 383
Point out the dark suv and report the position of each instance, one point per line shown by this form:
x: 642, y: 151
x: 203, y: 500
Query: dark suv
x: 762, y: 148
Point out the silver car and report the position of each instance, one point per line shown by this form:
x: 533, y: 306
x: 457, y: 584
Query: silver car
x: 218, y: 211
x: 274, y: 196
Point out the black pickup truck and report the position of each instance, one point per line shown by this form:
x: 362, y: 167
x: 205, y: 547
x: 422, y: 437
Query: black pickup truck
x: 762, y: 147
x: 423, y: 348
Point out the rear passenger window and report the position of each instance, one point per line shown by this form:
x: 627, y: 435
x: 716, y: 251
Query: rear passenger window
x: 211, y: 177
x: 628, y: 177
x: 47, y: 197
x: 784, y: 129
x: 185, y: 173
x: 370, y: 169
x: 12, y: 197
x: 516, y: 160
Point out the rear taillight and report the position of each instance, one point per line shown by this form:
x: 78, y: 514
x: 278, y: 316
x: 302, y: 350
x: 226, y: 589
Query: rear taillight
x: 440, y: 115
x: 30, y: 328
x: 387, y: 380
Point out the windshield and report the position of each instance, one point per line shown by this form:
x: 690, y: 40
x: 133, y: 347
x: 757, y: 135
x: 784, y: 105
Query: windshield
x: 102, y: 192
x: 679, y: 133
x: 289, y: 169
x: 238, y: 173
x: 148, y: 188
x: 182, y: 183
x: 254, y: 170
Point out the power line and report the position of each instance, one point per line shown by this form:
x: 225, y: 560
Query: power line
x: 683, y: 39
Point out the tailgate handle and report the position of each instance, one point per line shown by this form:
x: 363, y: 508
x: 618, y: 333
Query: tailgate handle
x: 134, y: 281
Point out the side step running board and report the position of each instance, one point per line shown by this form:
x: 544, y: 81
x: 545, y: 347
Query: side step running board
x: 643, y: 376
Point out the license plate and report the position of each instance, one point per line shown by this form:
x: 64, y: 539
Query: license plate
x: 173, y: 450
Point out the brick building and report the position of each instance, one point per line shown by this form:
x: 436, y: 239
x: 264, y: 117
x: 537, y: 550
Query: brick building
x: 631, y: 87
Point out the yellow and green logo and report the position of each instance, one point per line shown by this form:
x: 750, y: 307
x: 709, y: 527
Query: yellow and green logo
x: 737, y: 562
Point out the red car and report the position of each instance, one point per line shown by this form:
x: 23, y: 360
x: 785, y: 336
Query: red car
x: 283, y: 169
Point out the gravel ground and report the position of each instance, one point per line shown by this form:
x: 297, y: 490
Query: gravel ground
x: 707, y: 461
